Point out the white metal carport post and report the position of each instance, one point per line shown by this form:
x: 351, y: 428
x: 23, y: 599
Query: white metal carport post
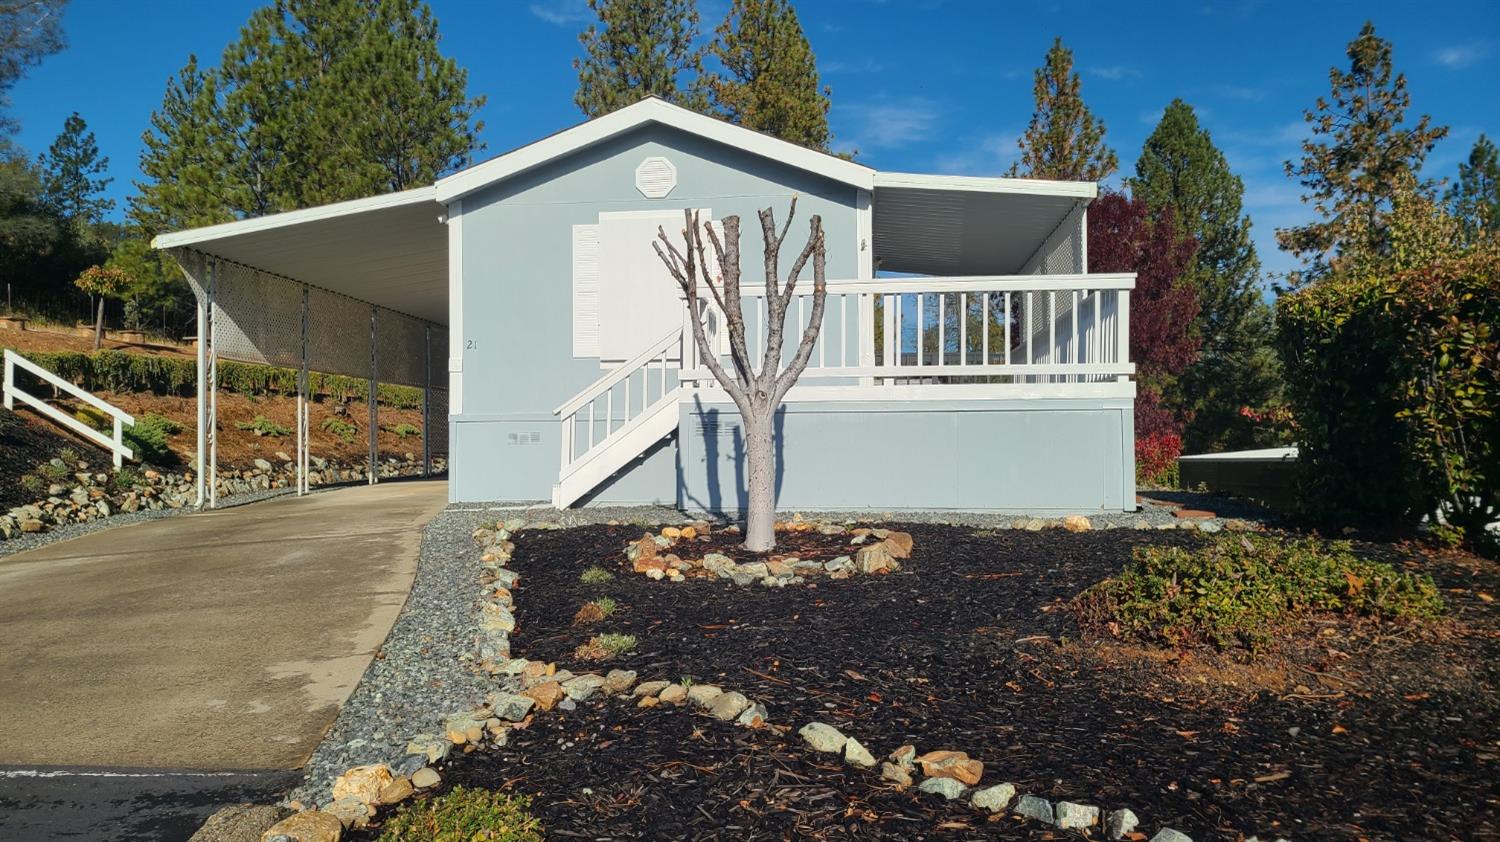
x: 304, y: 407
x: 202, y: 352
x: 213, y: 387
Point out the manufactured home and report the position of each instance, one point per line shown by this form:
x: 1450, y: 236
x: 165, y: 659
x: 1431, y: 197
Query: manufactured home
x: 967, y: 359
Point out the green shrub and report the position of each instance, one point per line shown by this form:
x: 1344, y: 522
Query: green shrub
x: 51, y: 471
x: 606, y: 605
x: 148, y: 439
x: 464, y: 815
x: 33, y: 484
x: 1240, y: 590
x: 118, y: 371
x: 126, y: 477
x: 402, y: 430
x: 1394, y: 379
x: 595, y: 575
x: 345, y: 430
x: 263, y: 426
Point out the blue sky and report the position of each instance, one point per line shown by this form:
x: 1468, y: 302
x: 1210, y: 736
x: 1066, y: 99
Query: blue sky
x: 918, y: 85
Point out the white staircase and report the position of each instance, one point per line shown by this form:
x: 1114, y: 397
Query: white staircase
x: 596, y: 441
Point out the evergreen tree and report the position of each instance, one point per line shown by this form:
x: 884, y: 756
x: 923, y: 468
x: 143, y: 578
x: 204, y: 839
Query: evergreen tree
x: 1181, y: 170
x: 73, y: 175
x: 30, y: 30
x: 770, y: 79
x: 185, y: 159
x: 1064, y: 140
x: 1360, y: 153
x: 1475, y: 197
x: 639, y: 48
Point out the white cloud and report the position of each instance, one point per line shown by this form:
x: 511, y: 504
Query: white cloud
x: 1459, y: 56
x: 885, y: 125
x: 562, y: 12
x: 990, y: 155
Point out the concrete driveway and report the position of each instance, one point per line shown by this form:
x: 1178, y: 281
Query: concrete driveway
x: 217, y: 640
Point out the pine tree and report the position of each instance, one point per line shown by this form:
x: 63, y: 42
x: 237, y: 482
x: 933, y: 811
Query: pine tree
x: 73, y: 175
x: 1360, y: 153
x: 770, y: 79
x: 1064, y: 140
x: 185, y: 159
x: 30, y: 30
x: 639, y: 48
x: 1181, y: 170
x: 1475, y: 197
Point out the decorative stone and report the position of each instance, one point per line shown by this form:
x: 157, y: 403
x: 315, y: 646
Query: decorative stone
x: 1069, y: 815
x: 1120, y: 823
x: 618, y: 681
x: 650, y: 688
x: 946, y: 787
x: 1167, y: 834
x: 993, y: 798
x: 363, y: 783
x: 727, y: 706
x: 430, y: 746
x: 583, y: 687
x: 703, y: 695
x: 753, y: 716
x: 425, y: 778
x: 903, y: 756
x: 350, y: 811
x: 951, y: 764
x: 895, y: 774
x: 823, y: 737
x: 755, y: 569
x: 396, y: 791
x: 240, y: 823
x: 1076, y: 523
x: 717, y: 562
x: 899, y: 544
x: 513, y: 706
x: 672, y: 694
x: 546, y: 695
x: 1034, y: 808
x: 875, y: 558
x: 311, y: 826
x: 857, y: 755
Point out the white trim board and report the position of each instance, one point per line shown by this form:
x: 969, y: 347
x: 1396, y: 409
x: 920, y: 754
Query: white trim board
x: 194, y: 236
x: 976, y: 184
x: 649, y: 110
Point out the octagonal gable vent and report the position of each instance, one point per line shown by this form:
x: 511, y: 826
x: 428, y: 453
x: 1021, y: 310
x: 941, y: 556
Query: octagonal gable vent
x: 655, y: 178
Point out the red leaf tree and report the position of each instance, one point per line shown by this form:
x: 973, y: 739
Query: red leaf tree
x: 1125, y: 236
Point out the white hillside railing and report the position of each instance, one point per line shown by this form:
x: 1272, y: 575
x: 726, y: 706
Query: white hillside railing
x: 115, y: 443
x: 1009, y: 332
x: 646, y: 386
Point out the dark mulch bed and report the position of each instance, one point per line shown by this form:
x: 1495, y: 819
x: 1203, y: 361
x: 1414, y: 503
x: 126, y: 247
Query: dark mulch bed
x: 26, y: 443
x: 972, y: 647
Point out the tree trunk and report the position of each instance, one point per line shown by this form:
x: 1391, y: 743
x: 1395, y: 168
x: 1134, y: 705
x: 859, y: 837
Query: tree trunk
x: 99, y: 324
x: 760, y: 461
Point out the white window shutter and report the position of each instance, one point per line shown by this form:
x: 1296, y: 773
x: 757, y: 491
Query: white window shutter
x: 721, y: 327
x: 585, y: 290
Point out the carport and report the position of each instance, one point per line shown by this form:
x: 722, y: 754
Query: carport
x: 356, y: 288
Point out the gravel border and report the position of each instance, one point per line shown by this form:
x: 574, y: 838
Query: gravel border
x: 421, y: 671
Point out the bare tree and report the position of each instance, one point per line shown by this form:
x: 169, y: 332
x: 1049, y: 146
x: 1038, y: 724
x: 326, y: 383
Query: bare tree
x: 756, y: 392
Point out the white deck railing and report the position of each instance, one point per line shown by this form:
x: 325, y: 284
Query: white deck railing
x: 115, y: 443
x: 1006, y: 330
x: 595, y: 406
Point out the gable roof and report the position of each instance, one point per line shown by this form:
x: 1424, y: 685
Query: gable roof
x: 650, y: 110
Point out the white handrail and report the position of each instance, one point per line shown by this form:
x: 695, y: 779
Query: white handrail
x: 620, y: 372
x: 968, y: 283
x: 114, y: 444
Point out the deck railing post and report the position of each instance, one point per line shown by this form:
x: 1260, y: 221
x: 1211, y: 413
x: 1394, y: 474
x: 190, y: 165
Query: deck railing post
x: 1124, y: 331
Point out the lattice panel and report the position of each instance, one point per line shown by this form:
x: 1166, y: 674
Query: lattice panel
x: 338, y: 334
x: 435, y: 425
x: 401, y: 348
x: 257, y: 317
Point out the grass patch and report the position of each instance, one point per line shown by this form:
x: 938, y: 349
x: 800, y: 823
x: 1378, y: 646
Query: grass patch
x: 594, y: 611
x: 602, y: 647
x: 402, y: 430
x: 595, y: 575
x: 1241, y: 590
x: 263, y: 426
x: 464, y: 815
x: 345, y: 430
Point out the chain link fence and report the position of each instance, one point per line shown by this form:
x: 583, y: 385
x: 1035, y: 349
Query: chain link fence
x: 258, y: 317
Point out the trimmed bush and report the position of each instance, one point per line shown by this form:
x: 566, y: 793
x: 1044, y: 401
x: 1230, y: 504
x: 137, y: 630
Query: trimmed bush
x: 263, y: 426
x: 148, y: 439
x: 1395, y: 383
x: 464, y: 815
x: 1240, y: 590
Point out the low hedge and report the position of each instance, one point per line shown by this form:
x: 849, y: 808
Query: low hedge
x: 117, y: 371
x: 1242, y: 590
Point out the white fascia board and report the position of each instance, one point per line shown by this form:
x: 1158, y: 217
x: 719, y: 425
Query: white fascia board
x: 650, y: 110
x: 975, y: 184
x: 195, y: 236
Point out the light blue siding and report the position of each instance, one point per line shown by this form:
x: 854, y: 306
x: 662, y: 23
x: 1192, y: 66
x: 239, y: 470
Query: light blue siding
x: 1037, y: 456
x: 517, y: 293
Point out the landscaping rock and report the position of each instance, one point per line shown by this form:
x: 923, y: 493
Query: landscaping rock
x: 951, y: 764
x: 823, y: 737
x: 363, y: 783
x: 1120, y: 823
x: 673, y: 694
x: 425, y: 778
x: 895, y: 774
x: 946, y: 787
x: 875, y: 558
x: 993, y: 798
x: 753, y: 716
x: 397, y: 791
x: 351, y: 812
x: 1034, y: 808
x: 903, y: 756
x: 1076, y: 523
x: 311, y: 826
x: 650, y: 688
x: 513, y: 706
x: 857, y: 755
x: 1167, y: 834
x: 727, y: 706
x: 240, y: 823
x: 899, y: 544
x: 842, y: 564
x: 703, y: 695
x: 546, y: 695
x: 617, y: 682
x: 582, y: 688
x: 1071, y: 816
